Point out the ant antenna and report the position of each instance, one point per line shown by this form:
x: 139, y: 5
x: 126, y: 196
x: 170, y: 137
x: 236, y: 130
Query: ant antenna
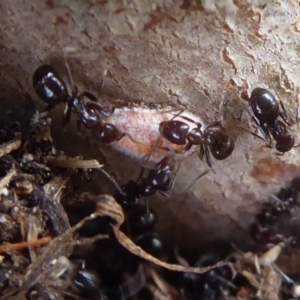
x: 104, y: 74
x: 297, y: 111
x: 133, y: 140
x: 114, y: 182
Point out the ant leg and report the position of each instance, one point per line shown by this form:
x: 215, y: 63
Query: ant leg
x: 284, y: 114
x: 97, y: 107
x: 208, y: 158
x: 169, y: 148
x: 254, y: 134
x: 48, y: 108
x: 114, y: 182
x: 154, y: 147
x: 67, y: 113
x: 104, y: 74
x: 105, y: 113
x: 194, y: 181
x: 78, y: 124
x: 179, y: 112
x: 297, y: 111
x: 132, y: 139
x: 258, y: 125
x: 174, y: 176
x: 201, y: 152
x: 74, y: 88
x: 147, y: 156
x: 199, y: 125
x: 287, y: 280
x: 141, y: 173
x: 215, y: 124
x: 89, y: 96
x: 166, y: 194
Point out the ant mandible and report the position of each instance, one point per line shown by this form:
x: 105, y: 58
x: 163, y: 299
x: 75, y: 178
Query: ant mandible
x: 213, y: 139
x: 51, y: 88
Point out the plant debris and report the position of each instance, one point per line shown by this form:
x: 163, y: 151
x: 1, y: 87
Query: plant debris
x: 59, y: 240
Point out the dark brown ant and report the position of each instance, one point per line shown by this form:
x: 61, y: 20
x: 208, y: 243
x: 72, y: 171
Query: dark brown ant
x: 87, y: 281
x: 213, y: 139
x: 266, y: 110
x: 264, y: 230
x: 50, y: 87
x: 160, y: 179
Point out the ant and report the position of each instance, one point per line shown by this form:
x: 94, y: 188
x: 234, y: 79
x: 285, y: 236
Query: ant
x: 51, y: 88
x: 160, y: 179
x: 213, y: 139
x: 266, y: 110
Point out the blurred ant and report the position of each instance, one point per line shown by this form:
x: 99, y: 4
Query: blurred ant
x: 87, y: 281
x: 266, y: 109
x: 51, y: 88
x: 213, y: 139
x: 160, y: 179
x: 263, y: 230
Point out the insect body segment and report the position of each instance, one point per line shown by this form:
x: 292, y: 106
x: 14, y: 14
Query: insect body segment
x: 264, y: 105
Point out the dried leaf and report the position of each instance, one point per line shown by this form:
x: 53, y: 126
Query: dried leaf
x: 45, y: 264
x: 271, y: 255
x: 72, y: 163
x: 10, y: 146
x: 107, y: 206
x: 7, y: 178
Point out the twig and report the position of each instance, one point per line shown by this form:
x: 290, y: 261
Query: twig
x: 22, y: 245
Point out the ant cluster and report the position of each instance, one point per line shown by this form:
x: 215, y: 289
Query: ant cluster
x: 106, y: 270
x: 268, y: 229
x: 180, y: 134
x: 50, y: 87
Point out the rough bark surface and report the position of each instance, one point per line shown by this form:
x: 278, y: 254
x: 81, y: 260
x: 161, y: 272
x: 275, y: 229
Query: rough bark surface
x: 181, y: 53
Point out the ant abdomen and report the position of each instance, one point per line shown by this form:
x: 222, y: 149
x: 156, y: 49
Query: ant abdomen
x: 174, y: 131
x: 49, y: 86
x: 223, y: 146
x: 264, y: 105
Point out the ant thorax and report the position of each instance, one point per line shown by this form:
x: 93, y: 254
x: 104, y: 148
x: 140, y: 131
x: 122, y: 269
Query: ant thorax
x: 142, y: 124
